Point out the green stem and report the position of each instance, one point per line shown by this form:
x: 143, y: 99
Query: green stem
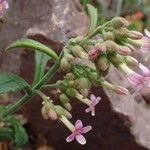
x: 50, y: 86
x: 38, y: 86
x: 95, y: 32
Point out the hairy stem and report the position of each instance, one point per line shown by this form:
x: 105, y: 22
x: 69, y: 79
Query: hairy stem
x: 95, y: 32
x: 38, y: 86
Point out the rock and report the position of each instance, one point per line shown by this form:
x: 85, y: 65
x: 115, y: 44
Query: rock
x: 136, y: 109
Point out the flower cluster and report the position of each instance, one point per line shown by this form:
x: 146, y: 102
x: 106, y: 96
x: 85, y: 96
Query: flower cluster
x: 86, y: 62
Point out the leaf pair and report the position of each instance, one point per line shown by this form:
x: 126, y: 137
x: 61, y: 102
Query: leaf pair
x: 14, y: 131
x: 10, y: 82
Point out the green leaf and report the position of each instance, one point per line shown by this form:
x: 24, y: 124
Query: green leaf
x: 10, y: 83
x: 84, y: 3
x: 41, y: 60
x: 6, y: 134
x: 20, y: 135
x: 29, y: 43
x: 92, y: 11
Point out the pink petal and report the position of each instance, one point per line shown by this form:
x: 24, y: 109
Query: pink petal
x: 78, y: 124
x: 144, y: 69
x: 135, y: 79
x: 86, y: 129
x: 5, y: 5
x: 88, y: 110
x: 81, y: 139
x: 147, y: 33
x: 70, y: 138
x: 98, y: 98
x: 93, y: 112
x: 92, y: 97
x: 145, y: 45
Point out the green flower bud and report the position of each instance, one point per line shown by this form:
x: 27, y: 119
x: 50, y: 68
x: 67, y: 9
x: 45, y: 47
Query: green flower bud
x: 103, y: 63
x: 84, y: 83
x: 68, y: 106
x: 116, y: 59
x: 108, y: 36
x: 62, y: 112
x: 78, y: 51
x: 70, y: 76
x: 65, y: 65
x: 110, y: 45
x: 71, y: 92
x: 118, y: 22
x: 120, y: 33
x: 131, y: 60
x: 84, y: 92
x: 63, y: 98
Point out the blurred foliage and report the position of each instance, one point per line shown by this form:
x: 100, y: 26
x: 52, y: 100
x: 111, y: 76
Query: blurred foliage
x: 136, y: 11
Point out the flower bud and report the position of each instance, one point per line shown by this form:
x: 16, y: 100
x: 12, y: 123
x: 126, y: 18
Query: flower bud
x: 70, y: 76
x: 93, y: 54
x: 71, y: 92
x: 103, y: 63
x: 84, y: 86
x: 78, y: 51
x: 63, y: 98
x: 134, y: 35
x: 131, y: 61
x: 108, y: 36
x: 110, y: 45
x: 44, y: 113
x: 132, y: 48
x: 124, y: 50
x: 84, y: 92
x: 120, y: 33
x: 52, y: 114
x: 118, y: 22
x: 62, y: 112
x: 68, y: 106
x: 65, y: 65
x: 116, y: 59
x: 65, y: 101
x: 121, y: 90
x: 83, y: 83
x: 47, y: 113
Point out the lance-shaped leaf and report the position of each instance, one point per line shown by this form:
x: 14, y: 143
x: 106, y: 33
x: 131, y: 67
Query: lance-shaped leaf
x: 93, y: 17
x: 10, y: 83
x: 41, y: 60
x: 20, y: 135
x: 29, y: 43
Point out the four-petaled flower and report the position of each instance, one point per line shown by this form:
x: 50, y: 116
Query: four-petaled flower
x: 145, y: 47
x: 77, y: 133
x: 94, y: 101
x: 3, y: 6
x: 140, y: 81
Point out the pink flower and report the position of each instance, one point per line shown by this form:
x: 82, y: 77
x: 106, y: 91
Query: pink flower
x: 94, y: 101
x: 93, y: 54
x: 3, y: 6
x: 140, y: 81
x: 145, y: 47
x: 77, y: 133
